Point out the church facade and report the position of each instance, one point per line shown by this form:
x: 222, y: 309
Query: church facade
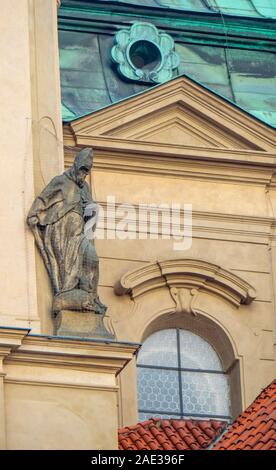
x: 176, y: 100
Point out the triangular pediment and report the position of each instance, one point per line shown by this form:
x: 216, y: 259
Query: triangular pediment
x: 178, y: 117
x: 176, y: 124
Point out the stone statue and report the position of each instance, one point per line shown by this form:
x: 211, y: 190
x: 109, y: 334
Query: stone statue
x: 57, y: 219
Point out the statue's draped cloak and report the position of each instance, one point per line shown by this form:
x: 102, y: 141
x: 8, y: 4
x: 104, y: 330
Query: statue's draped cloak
x: 69, y: 254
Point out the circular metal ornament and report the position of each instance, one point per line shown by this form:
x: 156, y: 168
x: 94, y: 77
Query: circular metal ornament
x: 142, y: 53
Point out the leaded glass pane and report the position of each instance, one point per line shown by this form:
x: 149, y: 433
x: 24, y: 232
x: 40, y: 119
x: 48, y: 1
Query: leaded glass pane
x: 196, y: 353
x: 159, y: 349
x: 146, y: 416
x: 204, y: 393
x: 158, y: 390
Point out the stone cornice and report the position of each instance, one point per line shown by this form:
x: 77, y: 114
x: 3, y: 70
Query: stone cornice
x: 189, y: 276
x: 41, y: 382
x: 212, y: 224
x: 11, y: 338
x: 167, y: 165
x: 181, y: 92
x: 93, y: 356
x: 216, y: 140
x: 181, y: 152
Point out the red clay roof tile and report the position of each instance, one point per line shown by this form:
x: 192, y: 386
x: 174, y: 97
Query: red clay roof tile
x: 183, y: 434
x: 255, y: 428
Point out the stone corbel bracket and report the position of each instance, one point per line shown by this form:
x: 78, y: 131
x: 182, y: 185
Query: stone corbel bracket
x: 185, y: 278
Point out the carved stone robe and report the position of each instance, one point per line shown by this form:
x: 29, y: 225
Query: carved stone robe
x: 69, y: 256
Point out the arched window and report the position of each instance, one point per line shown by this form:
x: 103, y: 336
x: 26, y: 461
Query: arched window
x: 180, y: 375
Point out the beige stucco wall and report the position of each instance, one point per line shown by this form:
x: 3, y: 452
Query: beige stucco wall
x: 240, y: 246
x: 232, y: 192
x: 65, y: 417
x: 140, y: 160
x: 58, y: 393
x: 32, y: 151
x: 54, y: 394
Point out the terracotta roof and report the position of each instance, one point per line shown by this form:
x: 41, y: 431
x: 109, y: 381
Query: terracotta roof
x: 255, y: 428
x: 161, y: 434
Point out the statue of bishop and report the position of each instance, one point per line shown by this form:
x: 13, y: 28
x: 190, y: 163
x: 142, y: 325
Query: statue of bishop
x: 57, y: 219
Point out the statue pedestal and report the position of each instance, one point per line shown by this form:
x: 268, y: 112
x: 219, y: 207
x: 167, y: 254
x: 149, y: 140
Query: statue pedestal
x: 80, y: 324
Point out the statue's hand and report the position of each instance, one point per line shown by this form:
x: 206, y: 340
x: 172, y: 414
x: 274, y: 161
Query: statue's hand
x: 33, y: 221
x: 90, y: 216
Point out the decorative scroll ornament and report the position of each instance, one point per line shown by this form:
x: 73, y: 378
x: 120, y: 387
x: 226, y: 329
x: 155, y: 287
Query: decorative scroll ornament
x: 142, y: 53
x: 185, y: 278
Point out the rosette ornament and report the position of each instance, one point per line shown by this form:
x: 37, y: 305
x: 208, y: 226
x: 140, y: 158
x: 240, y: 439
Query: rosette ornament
x: 142, y: 53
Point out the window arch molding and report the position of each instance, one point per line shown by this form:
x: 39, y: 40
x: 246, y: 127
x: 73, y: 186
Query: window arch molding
x: 193, y: 274
x: 192, y: 294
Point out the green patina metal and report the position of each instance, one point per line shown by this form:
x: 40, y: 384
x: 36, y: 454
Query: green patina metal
x: 211, y: 29
x: 244, y: 74
x: 144, y: 54
x: 251, y: 8
x: 255, y: 8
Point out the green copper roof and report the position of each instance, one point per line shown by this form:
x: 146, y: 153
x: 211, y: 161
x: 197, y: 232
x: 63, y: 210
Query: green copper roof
x: 253, y: 8
x: 234, y: 56
x: 89, y: 80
